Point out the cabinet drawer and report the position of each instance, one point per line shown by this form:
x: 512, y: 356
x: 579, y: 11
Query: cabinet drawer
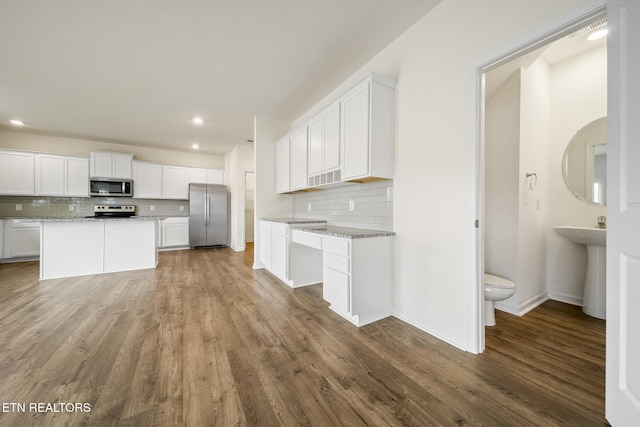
x: 279, y: 228
x: 308, y: 239
x: 336, y: 262
x: 335, y: 246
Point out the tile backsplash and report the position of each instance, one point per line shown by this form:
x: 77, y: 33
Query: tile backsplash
x: 59, y: 207
x: 372, y: 205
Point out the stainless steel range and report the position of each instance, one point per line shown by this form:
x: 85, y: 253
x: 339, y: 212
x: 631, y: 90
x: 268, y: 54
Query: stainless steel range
x: 114, y: 211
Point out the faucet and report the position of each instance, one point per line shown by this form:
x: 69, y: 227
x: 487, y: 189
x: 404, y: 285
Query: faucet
x: 602, y: 221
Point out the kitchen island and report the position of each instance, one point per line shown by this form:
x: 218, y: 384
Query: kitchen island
x: 81, y: 246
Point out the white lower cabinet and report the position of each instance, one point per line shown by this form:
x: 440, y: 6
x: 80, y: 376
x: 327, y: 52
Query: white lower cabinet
x: 357, y: 275
x: 296, y: 265
x: 21, y: 240
x: 174, y: 232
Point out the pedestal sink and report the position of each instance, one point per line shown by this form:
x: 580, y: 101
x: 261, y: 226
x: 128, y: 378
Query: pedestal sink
x: 595, y: 289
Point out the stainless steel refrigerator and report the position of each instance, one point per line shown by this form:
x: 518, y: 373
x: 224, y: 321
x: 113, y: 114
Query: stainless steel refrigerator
x: 208, y: 215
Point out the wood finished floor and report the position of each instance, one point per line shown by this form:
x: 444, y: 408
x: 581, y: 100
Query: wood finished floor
x: 204, y: 340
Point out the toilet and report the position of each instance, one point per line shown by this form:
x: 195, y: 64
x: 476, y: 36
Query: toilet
x: 496, y: 288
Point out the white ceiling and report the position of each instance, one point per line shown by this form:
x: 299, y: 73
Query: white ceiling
x: 138, y: 71
x: 557, y: 51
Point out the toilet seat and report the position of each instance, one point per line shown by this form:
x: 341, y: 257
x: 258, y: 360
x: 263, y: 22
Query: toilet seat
x: 498, y: 282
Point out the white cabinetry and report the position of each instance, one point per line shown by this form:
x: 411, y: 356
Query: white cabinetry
x: 57, y: 175
x: 49, y: 175
x: 295, y: 265
x: 351, y: 140
x: 76, y: 176
x: 21, y: 239
x: 283, y: 182
x: 324, y: 145
x: 367, y: 130
x: 17, y: 173
x: 147, y: 180
x: 175, y: 182
x: 357, y: 274
x: 206, y: 176
x: 110, y: 165
x: 298, y: 165
x: 174, y: 232
x: 291, y: 161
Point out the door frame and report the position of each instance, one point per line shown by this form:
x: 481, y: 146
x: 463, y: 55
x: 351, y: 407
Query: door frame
x: 548, y: 33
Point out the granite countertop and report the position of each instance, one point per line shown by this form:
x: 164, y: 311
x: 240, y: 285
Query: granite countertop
x: 89, y: 219
x: 346, y: 232
x: 295, y: 220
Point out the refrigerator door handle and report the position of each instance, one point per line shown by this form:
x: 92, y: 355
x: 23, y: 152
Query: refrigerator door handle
x: 206, y: 210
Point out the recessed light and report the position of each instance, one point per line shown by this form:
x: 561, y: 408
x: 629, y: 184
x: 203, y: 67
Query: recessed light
x: 197, y: 120
x: 16, y: 122
x: 195, y: 146
x: 597, y: 34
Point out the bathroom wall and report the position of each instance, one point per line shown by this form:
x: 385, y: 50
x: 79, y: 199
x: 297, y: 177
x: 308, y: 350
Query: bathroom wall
x: 578, y: 96
x: 373, y: 205
x: 502, y: 166
x: 516, y: 143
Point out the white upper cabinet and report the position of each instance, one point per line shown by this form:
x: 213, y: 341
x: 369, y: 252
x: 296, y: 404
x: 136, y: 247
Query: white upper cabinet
x: 76, y: 176
x: 147, y: 180
x: 175, y: 182
x: 324, y: 140
x: 350, y: 140
x: 49, y: 175
x: 283, y: 183
x: 57, y: 175
x: 206, y: 176
x: 298, y: 163
x: 367, y: 130
x: 17, y: 173
x: 111, y: 165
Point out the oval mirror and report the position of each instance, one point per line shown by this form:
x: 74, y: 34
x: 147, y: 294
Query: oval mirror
x: 584, y: 166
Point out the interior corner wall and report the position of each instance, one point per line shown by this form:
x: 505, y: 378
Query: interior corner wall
x: 578, y: 96
x: 533, y: 212
x: 239, y: 161
x: 502, y: 170
x: 268, y: 203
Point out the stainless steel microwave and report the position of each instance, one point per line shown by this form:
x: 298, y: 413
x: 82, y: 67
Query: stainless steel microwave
x: 110, y: 187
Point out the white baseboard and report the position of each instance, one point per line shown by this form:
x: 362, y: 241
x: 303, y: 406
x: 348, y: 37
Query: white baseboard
x: 568, y: 299
x: 524, y: 307
x: 406, y: 317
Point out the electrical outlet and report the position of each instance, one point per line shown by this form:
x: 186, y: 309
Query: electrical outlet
x: 18, y: 207
x: 352, y: 206
x: 152, y: 208
x: 181, y: 208
x: 309, y: 207
x: 71, y: 207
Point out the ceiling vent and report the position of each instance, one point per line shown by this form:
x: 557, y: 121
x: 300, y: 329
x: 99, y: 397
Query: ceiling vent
x: 588, y: 28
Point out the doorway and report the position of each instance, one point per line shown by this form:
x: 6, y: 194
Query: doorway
x: 249, y: 206
x: 523, y: 53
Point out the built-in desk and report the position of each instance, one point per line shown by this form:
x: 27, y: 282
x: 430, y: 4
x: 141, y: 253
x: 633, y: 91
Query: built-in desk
x: 357, y: 270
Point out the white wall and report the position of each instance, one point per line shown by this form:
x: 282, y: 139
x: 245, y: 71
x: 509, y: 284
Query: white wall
x: 578, y: 96
x: 268, y: 202
x: 434, y: 182
x: 238, y: 161
x: 531, y: 284
x: 502, y: 169
x: 81, y: 147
